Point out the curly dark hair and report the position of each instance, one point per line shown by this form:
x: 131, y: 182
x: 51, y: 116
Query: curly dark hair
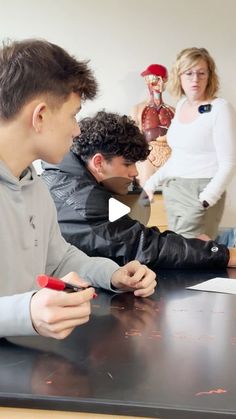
x: 111, y: 135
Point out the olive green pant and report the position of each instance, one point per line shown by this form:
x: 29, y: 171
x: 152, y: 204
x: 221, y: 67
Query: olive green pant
x: 185, y: 212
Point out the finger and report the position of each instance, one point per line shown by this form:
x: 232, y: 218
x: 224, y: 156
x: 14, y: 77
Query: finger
x: 75, y: 298
x: 67, y: 314
x: 135, y: 281
x: 133, y: 264
x: 146, y: 292
x: 64, y: 328
x: 147, y: 285
x: 137, y: 276
x: 74, y: 278
x: 147, y: 281
x: 62, y: 299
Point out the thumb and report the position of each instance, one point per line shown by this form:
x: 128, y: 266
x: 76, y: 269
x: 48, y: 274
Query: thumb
x: 132, y: 266
x: 74, y: 279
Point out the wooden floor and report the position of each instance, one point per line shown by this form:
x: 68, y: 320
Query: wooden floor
x: 16, y: 413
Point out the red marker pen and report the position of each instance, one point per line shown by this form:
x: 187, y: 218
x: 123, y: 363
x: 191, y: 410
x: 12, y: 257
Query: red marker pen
x: 57, y: 284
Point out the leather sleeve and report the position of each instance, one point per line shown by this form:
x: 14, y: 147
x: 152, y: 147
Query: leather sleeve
x: 174, y: 251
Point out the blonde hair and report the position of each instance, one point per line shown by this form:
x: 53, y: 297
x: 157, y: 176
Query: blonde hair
x: 187, y: 59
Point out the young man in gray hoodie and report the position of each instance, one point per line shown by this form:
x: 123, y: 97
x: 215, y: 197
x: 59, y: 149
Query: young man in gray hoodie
x: 41, y: 89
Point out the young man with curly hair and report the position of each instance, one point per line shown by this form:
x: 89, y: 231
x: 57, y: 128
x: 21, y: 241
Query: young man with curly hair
x: 41, y: 89
x: 102, y: 162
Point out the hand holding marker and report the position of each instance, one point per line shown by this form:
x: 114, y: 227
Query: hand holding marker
x: 57, y: 284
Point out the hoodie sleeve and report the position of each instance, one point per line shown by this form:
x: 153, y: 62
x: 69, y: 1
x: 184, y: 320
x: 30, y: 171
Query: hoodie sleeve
x: 15, y: 319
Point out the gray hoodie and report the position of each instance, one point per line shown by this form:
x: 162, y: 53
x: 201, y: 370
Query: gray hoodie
x: 31, y: 244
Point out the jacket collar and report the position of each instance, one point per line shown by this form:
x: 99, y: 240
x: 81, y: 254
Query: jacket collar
x: 71, y: 164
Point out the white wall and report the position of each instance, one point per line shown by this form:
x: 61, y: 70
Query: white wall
x: 122, y: 37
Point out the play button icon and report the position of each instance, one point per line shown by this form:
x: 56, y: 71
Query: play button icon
x: 109, y: 208
x: 116, y: 209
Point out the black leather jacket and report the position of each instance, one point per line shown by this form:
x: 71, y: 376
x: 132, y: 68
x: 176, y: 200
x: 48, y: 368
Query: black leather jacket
x: 82, y: 206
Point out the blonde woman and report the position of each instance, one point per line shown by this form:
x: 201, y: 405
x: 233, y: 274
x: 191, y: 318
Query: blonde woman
x: 202, y: 137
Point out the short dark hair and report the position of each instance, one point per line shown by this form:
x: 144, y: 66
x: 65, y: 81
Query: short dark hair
x: 112, y: 135
x: 32, y: 67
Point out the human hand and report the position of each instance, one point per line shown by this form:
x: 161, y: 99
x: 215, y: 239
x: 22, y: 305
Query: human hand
x: 135, y: 277
x: 56, y: 313
x: 146, y: 197
x: 203, y: 237
x: 231, y: 272
x: 232, y: 257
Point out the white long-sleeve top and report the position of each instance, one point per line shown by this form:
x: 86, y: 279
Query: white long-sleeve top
x: 203, y: 148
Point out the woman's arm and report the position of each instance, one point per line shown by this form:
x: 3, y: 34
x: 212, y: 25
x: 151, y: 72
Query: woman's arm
x: 224, y: 137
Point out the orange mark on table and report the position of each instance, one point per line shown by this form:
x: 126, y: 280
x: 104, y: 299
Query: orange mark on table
x: 118, y: 307
x: 133, y: 332
x: 216, y: 391
x: 155, y: 335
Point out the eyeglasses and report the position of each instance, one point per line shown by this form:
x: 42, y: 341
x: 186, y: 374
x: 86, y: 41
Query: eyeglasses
x: 202, y: 75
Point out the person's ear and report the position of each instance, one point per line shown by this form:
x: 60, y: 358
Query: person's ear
x: 98, y: 162
x: 38, y: 116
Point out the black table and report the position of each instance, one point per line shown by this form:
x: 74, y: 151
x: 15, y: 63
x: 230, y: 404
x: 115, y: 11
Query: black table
x: 171, y: 356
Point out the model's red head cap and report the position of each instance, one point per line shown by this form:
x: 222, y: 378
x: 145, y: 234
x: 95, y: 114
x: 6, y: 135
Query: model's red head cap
x: 156, y: 70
